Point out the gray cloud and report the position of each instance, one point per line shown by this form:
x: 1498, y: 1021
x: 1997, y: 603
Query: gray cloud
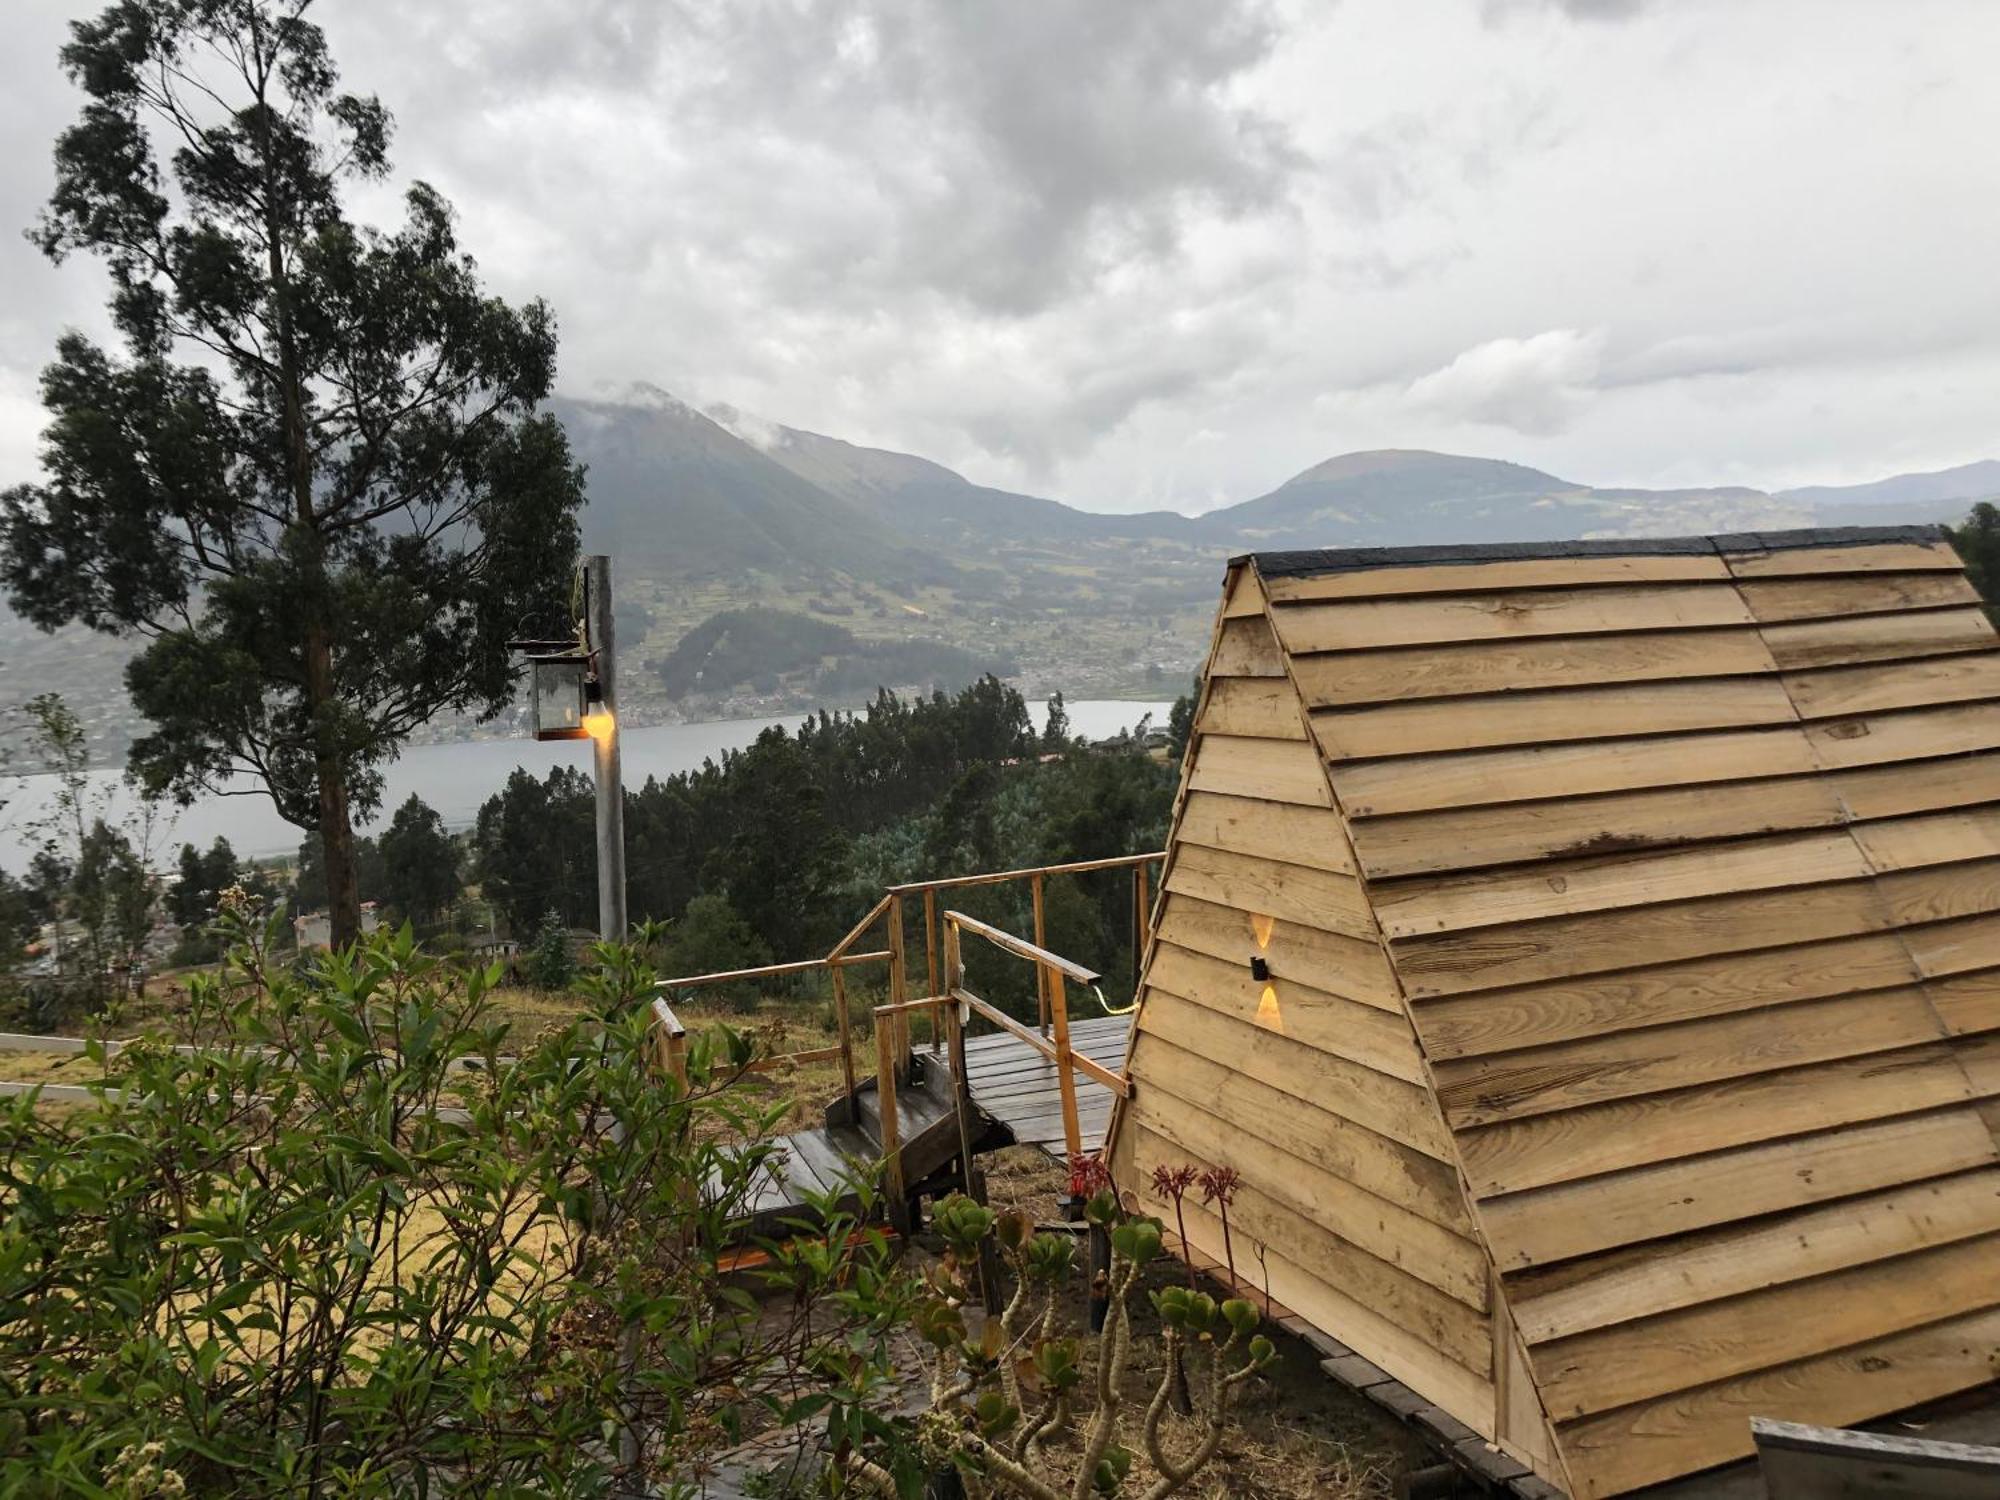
x: 1143, y: 252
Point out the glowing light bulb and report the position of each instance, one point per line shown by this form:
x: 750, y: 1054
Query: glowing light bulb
x: 598, y: 722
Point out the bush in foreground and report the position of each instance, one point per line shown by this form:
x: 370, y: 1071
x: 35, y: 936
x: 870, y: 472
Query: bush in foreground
x: 340, y: 1245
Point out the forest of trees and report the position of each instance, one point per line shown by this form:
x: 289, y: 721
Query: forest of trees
x: 791, y: 839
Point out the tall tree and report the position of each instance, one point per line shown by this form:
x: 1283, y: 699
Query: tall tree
x: 315, y: 478
x: 1977, y: 539
x: 419, y: 862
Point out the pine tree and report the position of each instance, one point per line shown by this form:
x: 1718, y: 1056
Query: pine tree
x: 315, y: 478
x: 419, y: 862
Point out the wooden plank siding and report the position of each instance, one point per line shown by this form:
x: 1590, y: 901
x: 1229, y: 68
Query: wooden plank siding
x: 1648, y: 946
x: 1309, y: 1083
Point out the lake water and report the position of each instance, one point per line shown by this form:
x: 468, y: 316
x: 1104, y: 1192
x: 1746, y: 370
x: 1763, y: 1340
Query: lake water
x: 456, y: 779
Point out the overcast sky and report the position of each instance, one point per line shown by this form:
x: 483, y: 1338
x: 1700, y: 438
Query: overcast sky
x: 1169, y: 252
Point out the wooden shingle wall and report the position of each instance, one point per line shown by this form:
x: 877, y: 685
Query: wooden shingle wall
x: 1315, y: 1092
x: 1687, y: 868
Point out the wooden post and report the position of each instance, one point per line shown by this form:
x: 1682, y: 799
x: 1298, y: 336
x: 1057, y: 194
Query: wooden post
x: 1065, y: 1075
x: 892, y: 1144
x: 1041, y: 941
x: 670, y: 1044
x: 931, y: 955
x: 846, y: 1043
x: 899, y: 984
x: 974, y: 1178
x: 1138, y: 925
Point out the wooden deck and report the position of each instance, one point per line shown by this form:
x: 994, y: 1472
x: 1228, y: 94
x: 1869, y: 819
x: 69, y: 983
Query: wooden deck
x: 1015, y: 1095
x: 1015, y: 1086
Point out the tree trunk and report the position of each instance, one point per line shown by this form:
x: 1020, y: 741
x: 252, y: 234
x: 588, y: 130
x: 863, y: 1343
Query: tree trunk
x: 336, y: 826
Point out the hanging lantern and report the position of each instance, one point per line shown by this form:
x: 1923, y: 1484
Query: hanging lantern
x: 559, y: 687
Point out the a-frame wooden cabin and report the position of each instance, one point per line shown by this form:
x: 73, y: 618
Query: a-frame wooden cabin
x: 1627, y: 1064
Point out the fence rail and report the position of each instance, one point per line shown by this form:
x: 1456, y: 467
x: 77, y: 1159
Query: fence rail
x: 942, y: 976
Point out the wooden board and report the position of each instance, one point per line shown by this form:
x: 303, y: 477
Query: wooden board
x: 1652, y: 1128
x: 1310, y: 836
x: 1295, y: 893
x: 1258, y: 707
x: 1559, y: 714
x: 1513, y: 1085
x: 1594, y: 1372
x: 1375, y: 1101
x: 1585, y: 1218
x: 1482, y: 577
x: 1798, y: 1462
x: 1395, y: 674
x: 1967, y: 1003
x: 1311, y: 1017
x: 1955, y: 946
x: 1445, y: 1323
x: 1893, y: 790
x: 1406, y: 1356
x: 1453, y: 1263
x: 1832, y: 692
x: 1567, y: 887
x: 1829, y: 643
x: 1710, y: 1425
x: 1559, y: 947
x: 1709, y: 985
x: 1361, y: 624
x: 1242, y: 594
x: 1484, y: 777
x: 1867, y: 557
x: 1782, y: 599
x: 1273, y: 770
x: 1744, y: 1257
x: 1513, y: 833
x: 1245, y: 647
x: 1931, y: 838
x: 1871, y: 739
x: 1354, y: 967
x: 1425, y: 1185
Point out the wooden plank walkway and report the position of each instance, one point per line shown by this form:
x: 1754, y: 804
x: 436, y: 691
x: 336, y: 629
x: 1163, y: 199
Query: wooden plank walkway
x: 1014, y: 1089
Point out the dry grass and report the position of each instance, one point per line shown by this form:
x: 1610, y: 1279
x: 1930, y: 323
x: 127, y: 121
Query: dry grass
x: 49, y: 1067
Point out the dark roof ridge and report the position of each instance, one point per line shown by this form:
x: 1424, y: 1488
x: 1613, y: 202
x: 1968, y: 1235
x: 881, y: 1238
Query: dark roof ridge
x: 1349, y: 559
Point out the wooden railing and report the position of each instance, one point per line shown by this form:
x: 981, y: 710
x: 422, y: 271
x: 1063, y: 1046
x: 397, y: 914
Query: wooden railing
x: 893, y: 1039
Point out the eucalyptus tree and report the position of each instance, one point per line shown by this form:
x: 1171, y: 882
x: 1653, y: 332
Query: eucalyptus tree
x: 315, y: 477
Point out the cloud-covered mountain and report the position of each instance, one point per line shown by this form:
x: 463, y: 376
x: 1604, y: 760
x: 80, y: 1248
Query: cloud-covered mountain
x: 926, y: 500
x: 708, y: 493
x: 666, y: 482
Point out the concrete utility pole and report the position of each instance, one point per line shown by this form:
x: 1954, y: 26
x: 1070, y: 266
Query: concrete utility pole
x: 604, y: 756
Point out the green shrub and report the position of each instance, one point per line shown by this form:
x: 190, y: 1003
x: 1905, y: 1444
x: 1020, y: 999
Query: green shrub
x: 551, y: 961
x: 316, y: 1257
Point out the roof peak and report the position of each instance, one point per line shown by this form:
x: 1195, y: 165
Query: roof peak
x: 1349, y: 559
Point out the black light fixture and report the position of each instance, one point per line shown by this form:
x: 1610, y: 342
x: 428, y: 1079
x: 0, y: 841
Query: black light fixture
x: 1259, y: 970
x: 560, y: 687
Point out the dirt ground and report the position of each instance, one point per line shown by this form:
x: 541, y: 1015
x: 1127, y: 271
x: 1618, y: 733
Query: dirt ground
x: 1296, y: 1434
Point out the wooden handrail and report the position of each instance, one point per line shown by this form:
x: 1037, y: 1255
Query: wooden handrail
x: 771, y: 971
x: 1001, y: 877
x: 854, y: 932
x: 906, y: 1007
x: 1042, y: 1044
x: 1022, y: 948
